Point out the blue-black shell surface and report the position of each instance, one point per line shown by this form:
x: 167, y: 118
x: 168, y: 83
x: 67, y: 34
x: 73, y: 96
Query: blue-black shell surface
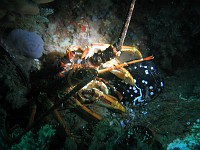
x: 148, y: 83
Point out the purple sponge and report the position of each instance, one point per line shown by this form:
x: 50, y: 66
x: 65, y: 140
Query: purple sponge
x: 29, y: 44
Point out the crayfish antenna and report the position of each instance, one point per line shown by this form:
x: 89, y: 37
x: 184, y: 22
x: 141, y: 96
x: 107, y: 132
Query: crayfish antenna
x: 149, y: 58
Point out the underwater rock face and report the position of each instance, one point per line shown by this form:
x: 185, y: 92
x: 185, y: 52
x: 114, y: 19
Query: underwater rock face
x: 29, y: 44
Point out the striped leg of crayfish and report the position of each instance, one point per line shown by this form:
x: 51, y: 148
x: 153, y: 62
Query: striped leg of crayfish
x: 85, y: 109
x: 108, y: 101
x: 98, y: 97
x: 132, y: 49
x: 46, y: 103
x: 119, y: 95
x: 123, y: 74
x: 125, y: 64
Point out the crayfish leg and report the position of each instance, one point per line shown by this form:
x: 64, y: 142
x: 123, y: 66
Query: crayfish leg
x: 87, y: 110
x: 129, y: 53
x: 123, y: 74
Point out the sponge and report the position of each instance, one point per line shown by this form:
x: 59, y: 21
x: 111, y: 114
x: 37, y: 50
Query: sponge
x: 26, y: 43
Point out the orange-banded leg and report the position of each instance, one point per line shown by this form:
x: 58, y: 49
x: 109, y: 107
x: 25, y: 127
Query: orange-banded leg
x: 98, y: 97
x: 132, y: 50
x: 125, y: 64
x: 104, y: 86
x: 96, y: 92
x: 121, y: 72
x: 47, y: 104
x: 112, y: 88
x: 87, y: 110
x: 108, y: 101
x: 114, y: 64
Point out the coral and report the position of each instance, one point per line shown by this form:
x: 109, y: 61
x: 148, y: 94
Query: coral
x: 177, y: 144
x: 39, y: 140
x: 26, y: 43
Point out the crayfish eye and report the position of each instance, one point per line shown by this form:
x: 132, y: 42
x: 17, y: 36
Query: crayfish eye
x: 70, y: 55
x: 99, y: 60
x: 99, y: 52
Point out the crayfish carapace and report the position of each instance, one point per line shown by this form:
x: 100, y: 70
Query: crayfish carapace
x: 103, y: 58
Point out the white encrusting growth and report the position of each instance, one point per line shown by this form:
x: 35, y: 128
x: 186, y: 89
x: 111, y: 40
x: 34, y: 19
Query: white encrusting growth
x: 146, y: 72
x: 138, y: 98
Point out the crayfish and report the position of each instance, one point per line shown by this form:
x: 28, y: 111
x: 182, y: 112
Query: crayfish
x: 103, y: 58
